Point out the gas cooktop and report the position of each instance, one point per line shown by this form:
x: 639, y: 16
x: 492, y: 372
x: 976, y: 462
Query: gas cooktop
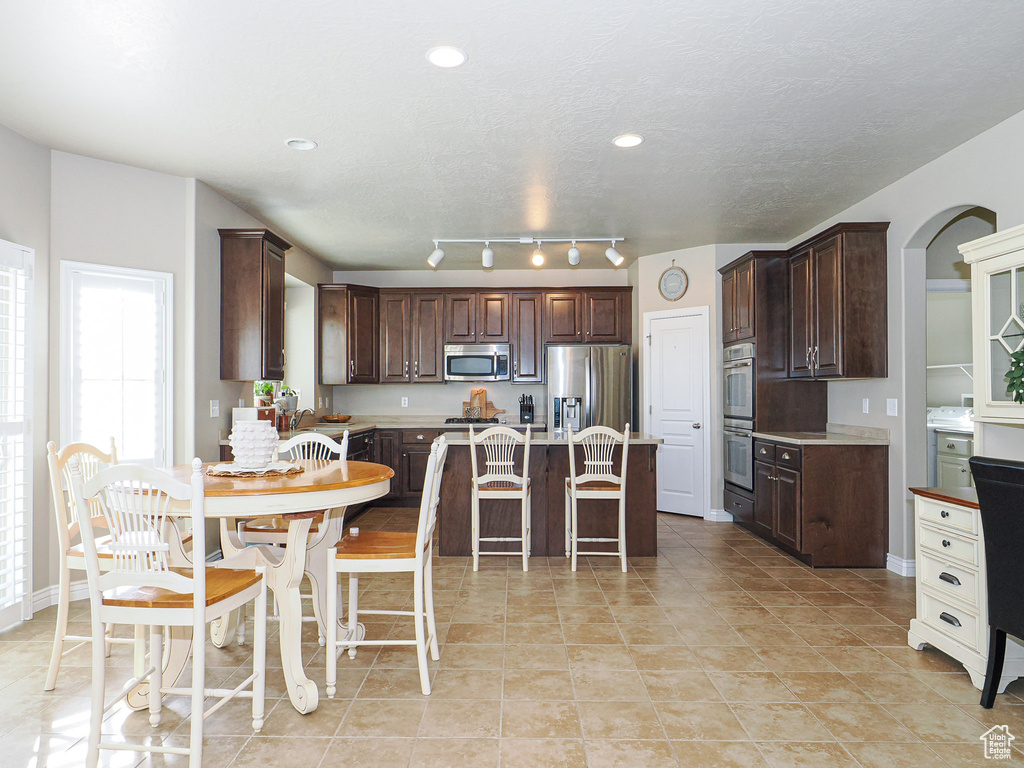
x: 468, y: 420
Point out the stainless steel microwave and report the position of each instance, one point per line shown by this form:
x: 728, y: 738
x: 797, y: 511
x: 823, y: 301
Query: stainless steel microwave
x: 476, y: 362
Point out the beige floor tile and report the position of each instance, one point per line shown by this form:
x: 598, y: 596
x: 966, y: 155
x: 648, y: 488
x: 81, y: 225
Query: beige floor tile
x: 467, y: 684
x: 592, y: 634
x: 538, y: 684
x: 882, y: 755
x: 718, y: 754
x: 627, y: 754
x: 710, y: 635
x: 530, y: 656
x: 972, y: 755
x: 826, y: 635
x: 445, y: 753
x: 650, y: 634
x: 823, y: 686
x: 861, y: 722
x: 780, y: 722
x: 370, y: 718
x: 751, y: 686
x: 600, y: 657
x: 391, y: 684
x: 663, y: 657
x: 768, y: 634
x: 461, y: 719
x: 782, y: 658
x: 893, y: 687
x: 698, y: 721
x: 476, y: 633
x: 470, y: 656
x: 619, y: 720
x: 938, y: 722
x: 806, y: 755
x: 380, y: 753
x: 680, y: 685
x: 540, y: 720
x: 263, y: 751
x: 535, y: 633
x: 608, y: 685
x: 729, y: 659
x: 543, y: 753
x: 847, y: 659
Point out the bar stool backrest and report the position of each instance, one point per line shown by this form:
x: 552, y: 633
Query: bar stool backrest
x: 313, y: 445
x: 499, y: 444
x: 598, y: 445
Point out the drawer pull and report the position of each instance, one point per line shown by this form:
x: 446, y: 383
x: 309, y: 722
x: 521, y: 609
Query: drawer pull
x: 943, y: 513
x: 419, y: 437
x: 785, y: 455
x: 763, y: 452
x: 950, y: 446
x: 950, y: 619
x: 949, y: 578
x: 945, y: 543
x: 963, y: 469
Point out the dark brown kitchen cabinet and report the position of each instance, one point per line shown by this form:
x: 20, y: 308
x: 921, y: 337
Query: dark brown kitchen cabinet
x: 476, y: 317
x: 349, y: 326
x: 607, y: 316
x: 764, y: 498
x: 492, y: 318
x: 460, y: 317
x: 388, y: 451
x: 838, y: 295
x: 251, y: 304
x: 738, y: 303
x: 427, y: 342
x: 787, y: 507
x: 394, y: 337
x: 563, y: 317
x: 527, y: 337
x: 361, y: 446
x: 411, y: 345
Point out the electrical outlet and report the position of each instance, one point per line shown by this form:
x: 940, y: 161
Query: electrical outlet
x: 864, y: 405
x: 890, y: 407
x: 327, y: 402
x: 319, y: 402
x: 405, y: 402
x: 241, y: 402
x: 214, y: 409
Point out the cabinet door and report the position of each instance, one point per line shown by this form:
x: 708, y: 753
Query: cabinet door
x: 460, y: 318
x: 828, y: 309
x: 363, y: 335
x: 333, y: 327
x: 603, y: 321
x: 414, y: 467
x: 954, y: 472
x: 492, y: 318
x: 394, y: 338
x: 801, y: 343
x: 273, y: 312
x: 563, y: 317
x: 729, y: 306
x: 787, y: 513
x: 427, y: 341
x: 387, y: 450
x: 743, y: 317
x: 764, y: 497
x: 527, y: 338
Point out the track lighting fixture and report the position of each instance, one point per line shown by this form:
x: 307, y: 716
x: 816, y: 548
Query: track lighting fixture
x: 574, y: 255
x: 614, y: 256
x: 487, y: 253
x: 435, y: 258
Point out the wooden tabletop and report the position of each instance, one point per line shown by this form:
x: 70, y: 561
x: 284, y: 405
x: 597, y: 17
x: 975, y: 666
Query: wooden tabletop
x: 316, y: 476
x: 964, y: 497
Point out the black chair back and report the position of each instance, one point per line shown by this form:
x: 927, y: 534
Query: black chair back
x: 1000, y: 486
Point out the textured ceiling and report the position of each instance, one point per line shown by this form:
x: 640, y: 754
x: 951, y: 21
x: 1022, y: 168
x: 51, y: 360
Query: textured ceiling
x: 762, y: 117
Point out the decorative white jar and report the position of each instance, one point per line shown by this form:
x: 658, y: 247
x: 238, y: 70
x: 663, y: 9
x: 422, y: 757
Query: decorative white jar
x: 253, y: 443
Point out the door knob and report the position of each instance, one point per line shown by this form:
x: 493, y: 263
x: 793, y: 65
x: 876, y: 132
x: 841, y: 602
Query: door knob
x: 696, y: 425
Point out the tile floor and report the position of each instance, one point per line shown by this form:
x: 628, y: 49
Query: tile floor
x: 720, y: 652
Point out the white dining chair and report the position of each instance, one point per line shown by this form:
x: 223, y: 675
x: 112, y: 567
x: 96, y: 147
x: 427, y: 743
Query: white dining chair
x: 140, y: 587
x: 390, y: 552
x: 71, y: 556
x: 597, y: 481
x: 500, y: 481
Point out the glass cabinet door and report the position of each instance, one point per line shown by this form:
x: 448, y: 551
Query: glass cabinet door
x: 1005, y: 327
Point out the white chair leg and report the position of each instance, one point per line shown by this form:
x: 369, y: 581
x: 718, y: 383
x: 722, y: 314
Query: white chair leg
x: 63, y: 588
x: 568, y: 523
x: 331, y: 642
x: 526, y: 533
x: 428, y: 588
x: 139, y: 650
x: 99, y: 671
x: 529, y: 523
x: 108, y: 634
x: 421, y: 639
x: 475, y: 527
x: 195, y: 757
x: 240, y: 630
x: 353, y: 610
x: 575, y: 535
x: 156, y: 679
x: 259, y: 632
x: 622, y: 533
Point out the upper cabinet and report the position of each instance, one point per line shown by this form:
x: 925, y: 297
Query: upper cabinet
x: 527, y: 337
x: 607, y: 316
x: 476, y: 317
x: 837, y: 304
x: 349, y: 334
x: 411, y: 341
x: 251, y: 304
x: 738, y: 302
x: 563, y: 317
x: 997, y: 291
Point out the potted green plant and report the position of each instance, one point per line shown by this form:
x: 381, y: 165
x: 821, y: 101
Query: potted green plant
x: 290, y: 397
x: 263, y: 392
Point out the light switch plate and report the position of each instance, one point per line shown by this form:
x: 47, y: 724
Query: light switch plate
x: 864, y: 404
x: 405, y: 402
x: 319, y: 402
x: 214, y: 409
x: 891, y: 407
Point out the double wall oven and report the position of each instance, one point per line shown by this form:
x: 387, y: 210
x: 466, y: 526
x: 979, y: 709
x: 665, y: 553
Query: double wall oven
x: 738, y: 375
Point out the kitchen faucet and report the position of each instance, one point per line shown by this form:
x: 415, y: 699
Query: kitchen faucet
x: 297, y: 417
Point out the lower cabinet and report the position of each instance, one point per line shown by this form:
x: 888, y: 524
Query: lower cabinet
x: 826, y: 504
x: 361, y: 446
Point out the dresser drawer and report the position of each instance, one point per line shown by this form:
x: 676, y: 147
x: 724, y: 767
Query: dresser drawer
x: 764, y: 451
x: 961, y: 518
x: 957, y: 623
x: 945, y: 578
x: 787, y: 456
x: 954, y: 445
x: 951, y: 545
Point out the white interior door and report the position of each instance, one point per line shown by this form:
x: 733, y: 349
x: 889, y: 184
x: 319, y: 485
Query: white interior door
x: 677, y: 376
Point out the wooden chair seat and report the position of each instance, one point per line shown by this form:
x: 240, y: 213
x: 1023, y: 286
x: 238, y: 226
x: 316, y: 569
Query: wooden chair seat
x: 377, y: 545
x: 102, y: 546
x: 221, y: 583
x: 595, y: 485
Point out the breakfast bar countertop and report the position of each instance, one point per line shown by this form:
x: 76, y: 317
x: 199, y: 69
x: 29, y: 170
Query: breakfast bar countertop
x: 550, y: 438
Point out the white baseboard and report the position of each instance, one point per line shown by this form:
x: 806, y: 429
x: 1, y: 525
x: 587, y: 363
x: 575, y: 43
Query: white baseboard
x: 717, y: 516
x: 901, y: 566
x: 47, y: 596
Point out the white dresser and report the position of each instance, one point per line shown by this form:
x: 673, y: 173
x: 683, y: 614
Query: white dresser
x: 952, y: 598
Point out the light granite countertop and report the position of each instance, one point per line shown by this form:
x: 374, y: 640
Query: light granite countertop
x: 550, y: 438
x: 834, y: 434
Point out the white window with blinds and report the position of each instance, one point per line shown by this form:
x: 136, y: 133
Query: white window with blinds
x: 116, y: 363
x: 16, y: 268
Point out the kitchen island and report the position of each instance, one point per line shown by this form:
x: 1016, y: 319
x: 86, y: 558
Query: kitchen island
x: 549, y: 468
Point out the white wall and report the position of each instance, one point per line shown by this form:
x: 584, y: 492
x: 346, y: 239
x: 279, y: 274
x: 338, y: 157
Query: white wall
x: 25, y: 220
x: 949, y: 342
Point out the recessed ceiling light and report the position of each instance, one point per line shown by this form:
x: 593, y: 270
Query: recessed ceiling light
x: 627, y: 140
x: 446, y: 56
x: 303, y: 145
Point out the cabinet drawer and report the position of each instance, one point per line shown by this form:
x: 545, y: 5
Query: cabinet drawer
x: 787, y: 456
x: 954, y: 445
x: 948, y: 515
x: 420, y: 436
x: 958, y: 623
x: 944, y: 578
x: 764, y: 451
x: 950, y: 545
x: 740, y: 507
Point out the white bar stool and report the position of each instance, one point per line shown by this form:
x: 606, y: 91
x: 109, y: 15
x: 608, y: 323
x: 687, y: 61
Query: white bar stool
x: 500, y: 481
x: 598, y: 481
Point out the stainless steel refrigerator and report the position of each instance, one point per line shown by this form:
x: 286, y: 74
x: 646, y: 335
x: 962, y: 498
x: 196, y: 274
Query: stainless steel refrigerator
x: 589, y: 386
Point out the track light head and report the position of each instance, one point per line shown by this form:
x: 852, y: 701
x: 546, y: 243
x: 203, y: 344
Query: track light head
x: 435, y: 258
x: 538, y: 257
x: 574, y: 255
x: 487, y: 256
x: 614, y: 256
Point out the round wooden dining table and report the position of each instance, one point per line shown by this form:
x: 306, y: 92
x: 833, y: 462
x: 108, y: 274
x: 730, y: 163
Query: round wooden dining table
x: 299, y: 499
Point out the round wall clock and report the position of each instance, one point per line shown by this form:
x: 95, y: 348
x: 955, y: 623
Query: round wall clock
x: 673, y: 283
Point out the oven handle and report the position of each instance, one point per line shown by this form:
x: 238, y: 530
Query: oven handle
x: 739, y: 364
x: 737, y: 432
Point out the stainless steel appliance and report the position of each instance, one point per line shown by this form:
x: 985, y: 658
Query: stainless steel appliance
x: 589, y: 386
x: 476, y: 362
x: 739, y: 453
x: 738, y: 372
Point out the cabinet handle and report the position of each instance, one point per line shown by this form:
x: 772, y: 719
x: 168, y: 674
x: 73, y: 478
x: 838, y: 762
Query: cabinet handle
x: 515, y: 367
x: 950, y: 446
x: 416, y: 370
x: 406, y: 369
x: 950, y: 619
x: 943, y: 513
x: 351, y: 368
x: 945, y: 543
x: 808, y: 357
x: 949, y: 578
x: 785, y: 455
x: 419, y: 437
x: 763, y: 452
x: 962, y: 469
